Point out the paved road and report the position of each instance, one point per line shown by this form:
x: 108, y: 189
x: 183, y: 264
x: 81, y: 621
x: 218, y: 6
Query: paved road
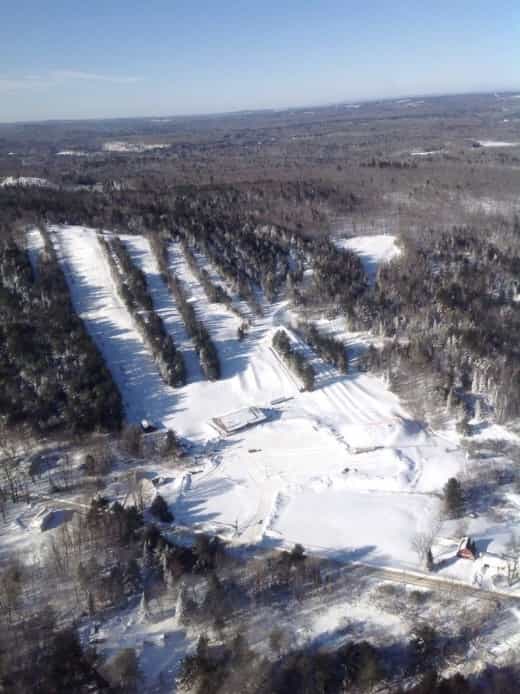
x: 433, y: 583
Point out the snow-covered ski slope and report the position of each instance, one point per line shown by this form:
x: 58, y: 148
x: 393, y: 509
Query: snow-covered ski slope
x: 343, y: 469
x: 373, y: 250
x: 140, y: 252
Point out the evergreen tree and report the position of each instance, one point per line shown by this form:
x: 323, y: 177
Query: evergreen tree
x: 453, y: 498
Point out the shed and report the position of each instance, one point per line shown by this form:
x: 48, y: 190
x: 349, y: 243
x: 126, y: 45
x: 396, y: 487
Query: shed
x: 467, y: 549
x: 147, y: 426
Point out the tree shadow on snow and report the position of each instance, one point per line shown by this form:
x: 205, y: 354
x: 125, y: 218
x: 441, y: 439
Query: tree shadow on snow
x: 144, y: 393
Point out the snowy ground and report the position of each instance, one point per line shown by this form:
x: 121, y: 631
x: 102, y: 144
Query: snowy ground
x: 373, y: 250
x: 344, y: 470
x: 73, y: 153
x: 35, y: 245
x: 321, y: 462
x: 427, y: 153
x: 133, y: 147
x: 497, y: 143
x: 26, y: 181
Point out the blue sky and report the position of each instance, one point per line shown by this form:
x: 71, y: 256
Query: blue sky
x: 100, y: 59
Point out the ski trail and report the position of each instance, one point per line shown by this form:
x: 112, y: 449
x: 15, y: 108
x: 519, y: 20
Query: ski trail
x: 110, y: 325
x: 164, y: 303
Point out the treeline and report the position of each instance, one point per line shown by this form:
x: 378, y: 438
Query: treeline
x: 450, y: 303
x: 48, y: 659
x: 235, y: 666
x: 214, y: 292
x: 133, y: 289
x: 91, y: 565
x: 204, y: 345
x: 247, y: 253
x: 338, y: 275
x: 52, y: 376
x: 236, y: 276
x: 329, y: 348
x: 294, y: 359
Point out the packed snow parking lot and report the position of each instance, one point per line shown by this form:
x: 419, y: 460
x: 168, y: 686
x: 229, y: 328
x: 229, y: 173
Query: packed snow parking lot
x: 319, y: 460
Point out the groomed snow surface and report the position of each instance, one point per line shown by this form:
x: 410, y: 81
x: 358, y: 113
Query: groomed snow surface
x: 344, y: 470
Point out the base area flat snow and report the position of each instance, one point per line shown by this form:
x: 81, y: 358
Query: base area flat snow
x: 373, y: 250
x: 371, y: 527
x: 298, y: 477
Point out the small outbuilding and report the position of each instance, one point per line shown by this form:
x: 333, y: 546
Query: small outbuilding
x: 467, y: 549
x: 147, y: 426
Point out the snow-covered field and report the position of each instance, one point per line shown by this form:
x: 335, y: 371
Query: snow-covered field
x: 344, y: 469
x: 133, y: 147
x: 497, y: 143
x: 72, y: 153
x: 425, y: 153
x: 373, y: 250
x: 26, y: 181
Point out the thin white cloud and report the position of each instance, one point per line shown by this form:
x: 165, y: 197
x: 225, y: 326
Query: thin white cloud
x: 92, y: 76
x: 58, y: 77
x: 7, y: 84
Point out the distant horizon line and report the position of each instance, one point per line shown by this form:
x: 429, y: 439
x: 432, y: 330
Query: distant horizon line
x: 266, y: 109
